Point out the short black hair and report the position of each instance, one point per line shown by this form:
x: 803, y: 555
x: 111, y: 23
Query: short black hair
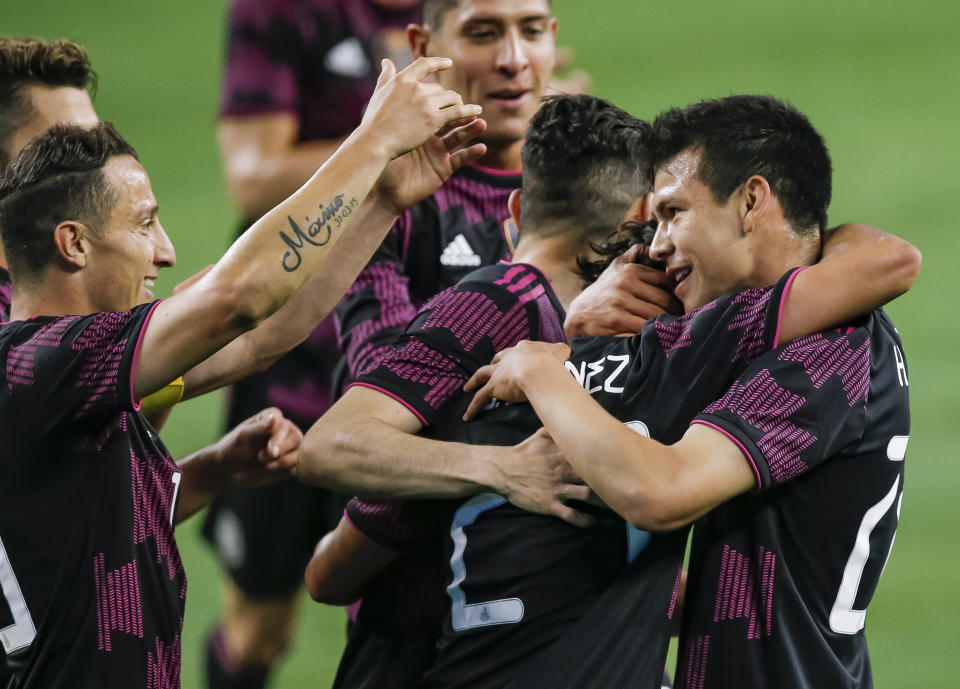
x: 432, y: 11
x: 58, y: 176
x: 34, y: 61
x: 585, y: 162
x: 631, y: 234
x: 745, y: 135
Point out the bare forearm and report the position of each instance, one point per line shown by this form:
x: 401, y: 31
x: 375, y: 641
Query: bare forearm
x: 375, y: 460
x: 624, y: 469
x: 200, y: 482
x: 296, y: 319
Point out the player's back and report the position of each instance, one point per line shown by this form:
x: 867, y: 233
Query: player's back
x: 780, y: 578
x: 519, y: 581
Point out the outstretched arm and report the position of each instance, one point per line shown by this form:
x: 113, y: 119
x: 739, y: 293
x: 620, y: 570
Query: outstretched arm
x: 282, y: 250
x: 367, y: 444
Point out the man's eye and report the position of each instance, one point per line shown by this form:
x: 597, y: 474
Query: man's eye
x: 481, y: 35
x: 533, y: 32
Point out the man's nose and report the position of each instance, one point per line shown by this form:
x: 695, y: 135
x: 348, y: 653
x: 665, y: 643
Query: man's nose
x: 164, y: 254
x: 512, y: 56
x: 662, y: 245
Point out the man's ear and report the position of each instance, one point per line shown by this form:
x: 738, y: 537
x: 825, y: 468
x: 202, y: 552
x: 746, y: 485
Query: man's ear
x: 756, y: 201
x: 514, y: 205
x: 70, y: 238
x: 418, y: 36
x: 642, y: 209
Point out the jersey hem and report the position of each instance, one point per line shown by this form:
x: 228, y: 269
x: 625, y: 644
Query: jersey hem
x: 392, y: 395
x: 736, y: 441
x: 783, y: 303
x: 134, y: 402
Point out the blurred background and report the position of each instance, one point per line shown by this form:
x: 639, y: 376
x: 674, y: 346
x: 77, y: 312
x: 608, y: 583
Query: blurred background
x: 879, y: 79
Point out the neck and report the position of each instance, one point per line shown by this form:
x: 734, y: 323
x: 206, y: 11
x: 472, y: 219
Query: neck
x: 51, y: 295
x: 556, y: 259
x: 3, y: 257
x: 504, y: 156
x: 784, y: 249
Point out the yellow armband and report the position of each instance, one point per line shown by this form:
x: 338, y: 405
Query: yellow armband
x: 163, y: 398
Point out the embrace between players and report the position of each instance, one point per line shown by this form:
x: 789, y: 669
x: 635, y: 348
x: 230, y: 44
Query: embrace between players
x: 774, y: 407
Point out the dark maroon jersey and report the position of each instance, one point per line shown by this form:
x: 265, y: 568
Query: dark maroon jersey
x: 780, y: 578
x: 315, y: 59
x: 93, y: 586
x: 432, y: 246
x: 522, y: 584
x: 453, y: 335
x: 6, y: 292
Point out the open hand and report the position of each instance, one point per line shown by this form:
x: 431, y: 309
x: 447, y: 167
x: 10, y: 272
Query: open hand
x: 420, y: 172
x: 538, y: 479
x: 405, y: 109
x: 504, y: 377
x: 622, y: 299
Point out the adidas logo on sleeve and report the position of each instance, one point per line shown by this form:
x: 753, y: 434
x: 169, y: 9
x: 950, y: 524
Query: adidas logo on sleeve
x: 459, y: 253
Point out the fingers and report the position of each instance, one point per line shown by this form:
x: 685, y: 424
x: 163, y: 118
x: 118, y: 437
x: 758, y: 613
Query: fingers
x: 479, y: 401
x: 423, y: 66
x: 570, y: 492
x: 459, y: 134
x: 454, y: 113
x: 284, y: 439
x: 467, y: 156
x: 387, y: 71
x: 568, y: 514
x: 480, y: 377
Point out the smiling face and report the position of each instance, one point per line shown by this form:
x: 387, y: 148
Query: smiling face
x: 702, y: 243
x: 131, y: 249
x: 503, y: 54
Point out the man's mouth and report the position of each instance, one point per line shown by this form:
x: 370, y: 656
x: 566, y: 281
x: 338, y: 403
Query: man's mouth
x: 510, y: 97
x: 148, y: 284
x: 678, y: 275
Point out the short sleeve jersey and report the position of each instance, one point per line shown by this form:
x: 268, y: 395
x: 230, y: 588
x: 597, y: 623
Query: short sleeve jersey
x: 463, y: 226
x: 780, y: 578
x: 521, y: 583
x: 92, y: 581
x: 6, y: 292
x: 454, y: 334
x: 315, y: 59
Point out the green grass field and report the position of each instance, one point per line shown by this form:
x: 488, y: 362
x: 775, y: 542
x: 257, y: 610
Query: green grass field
x: 879, y: 79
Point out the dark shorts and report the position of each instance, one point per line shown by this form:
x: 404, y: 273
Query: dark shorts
x: 264, y: 537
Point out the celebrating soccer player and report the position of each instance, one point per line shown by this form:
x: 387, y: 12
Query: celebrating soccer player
x: 79, y: 221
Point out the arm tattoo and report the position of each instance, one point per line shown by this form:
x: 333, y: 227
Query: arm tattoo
x: 318, y: 232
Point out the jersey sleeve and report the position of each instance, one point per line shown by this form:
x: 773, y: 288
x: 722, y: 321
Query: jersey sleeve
x: 454, y: 334
x: 405, y: 526
x: 77, y: 367
x: 260, y: 75
x: 798, y: 405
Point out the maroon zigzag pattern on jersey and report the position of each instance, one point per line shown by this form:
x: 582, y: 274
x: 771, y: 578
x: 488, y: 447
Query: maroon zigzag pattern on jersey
x: 766, y: 405
x: 694, y: 671
x: 823, y: 359
x: 389, y: 287
x: 152, y: 493
x: 6, y: 293
x: 163, y: 667
x: 745, y: 590
x: 675, y: 598
x: 676, y: 334
x: 551, y: 325
x: 20, y: 359
x: 119, y: 607
x: 470, y: 316
x: 100, y: 371
x: 751, y: 320
x: 478, y: 199
x: 429, y: 367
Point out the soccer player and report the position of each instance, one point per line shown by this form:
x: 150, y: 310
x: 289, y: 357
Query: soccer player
x: 584, y: 173
x: 41, y: 84
x: 795, y: 473
x: 93, y: 581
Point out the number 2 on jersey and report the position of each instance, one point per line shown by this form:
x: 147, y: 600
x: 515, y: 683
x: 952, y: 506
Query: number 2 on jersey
x: 22, y: 632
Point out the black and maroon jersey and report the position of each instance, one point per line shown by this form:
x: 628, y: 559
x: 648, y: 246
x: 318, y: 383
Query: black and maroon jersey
x: 453, y: 335
x: 780, y: 578
x: 531, y: 596
x: 6, y: 292
x: 92, y: 582
x: 433, y: 245
x: 315, y: 59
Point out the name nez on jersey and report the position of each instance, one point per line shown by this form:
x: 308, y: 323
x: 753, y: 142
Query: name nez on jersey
x: 600, y: 375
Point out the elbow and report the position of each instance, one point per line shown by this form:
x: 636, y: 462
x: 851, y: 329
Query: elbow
x: 656, y: 510
x: 316, y: 465
x: 324, y: 586
x: 906, y: 267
